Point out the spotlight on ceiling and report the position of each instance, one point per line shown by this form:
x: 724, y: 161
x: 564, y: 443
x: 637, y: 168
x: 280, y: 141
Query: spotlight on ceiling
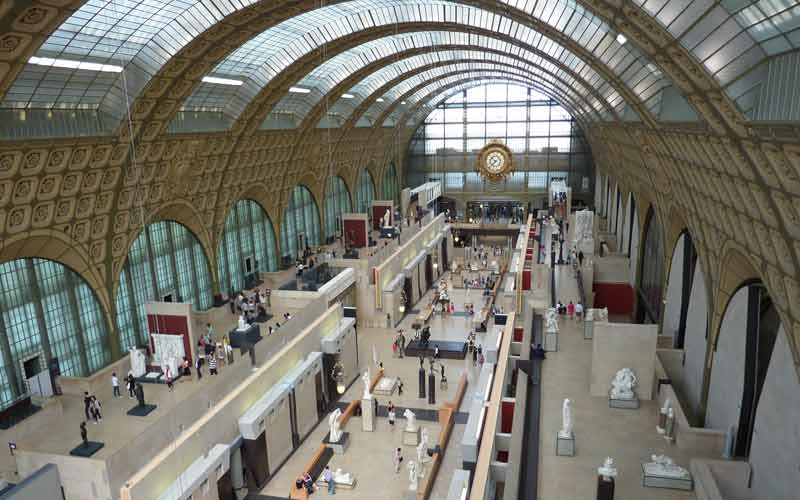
x: 621, y: 39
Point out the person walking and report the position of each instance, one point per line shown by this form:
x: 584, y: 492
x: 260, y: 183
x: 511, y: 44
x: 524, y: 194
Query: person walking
x: 570, y: 310
x: 212, y: 365
x: 397, y: 459
x: 198, y: 365
x: 115, y: 384
x: 402, y: 344
x: 436, y: 351
x: 580, y: 258
x: 375, y: 402
x: 399, y: 387
x: 579, y: 311
x: 327, y: 475
x: 391, y: 414
x: 95, y: 409
x: 130, y: 383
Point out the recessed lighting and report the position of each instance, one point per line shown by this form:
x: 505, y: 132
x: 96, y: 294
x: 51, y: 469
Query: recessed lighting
x: 222, y: 81
x: 347, y: 96
x: 379, y: 99
x: 621, y: 39
x: 299, y: 90
x: 70, y: 64
x: 403, y: 103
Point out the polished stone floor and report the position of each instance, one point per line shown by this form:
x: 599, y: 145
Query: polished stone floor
x: 629, y: 436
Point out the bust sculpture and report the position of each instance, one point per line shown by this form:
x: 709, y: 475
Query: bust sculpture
x: 333, y: 424
x: 608, y: 469
x: 566, y: 420
x: 411, y: 420
x: 367, y: 382
x: 623, y: 384
x: 242, y: 324
x: 662, y: 465
x: 551, y: 321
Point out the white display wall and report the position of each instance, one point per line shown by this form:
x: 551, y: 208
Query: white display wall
x: 278, y: 433
x: 305, y: 398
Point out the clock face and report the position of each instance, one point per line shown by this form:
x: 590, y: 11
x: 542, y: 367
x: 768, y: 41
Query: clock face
x: 495, y: 161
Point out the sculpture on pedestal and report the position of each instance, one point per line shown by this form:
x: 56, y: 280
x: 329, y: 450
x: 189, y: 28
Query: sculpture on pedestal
x: 242, y: 324
x: 551, y: 321
x: 662, y: 465
x: 342, y: 477
x: 411, y: 420
x: 413, y: 476
x: 139, y: 391
x: 367, y: 382
x: 334, y: 425
x: 623, y: 384
x: 386, y: 217
x: 608, y: 469
x: 566, y: 420
x: 601, y: 315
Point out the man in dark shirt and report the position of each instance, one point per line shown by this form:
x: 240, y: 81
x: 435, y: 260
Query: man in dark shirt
x: 538, y: 352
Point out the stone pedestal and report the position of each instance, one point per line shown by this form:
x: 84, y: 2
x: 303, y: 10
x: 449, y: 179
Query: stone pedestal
x: 340, y: 446
x: 431, y: 388
x: 565, y: 446
x: 411, y: 438
x: 421, y: 376
x: 605, y: 488
x: 625, y: 404
x: 367, y: 415
x: 551, y: 341
x: 588, y: 329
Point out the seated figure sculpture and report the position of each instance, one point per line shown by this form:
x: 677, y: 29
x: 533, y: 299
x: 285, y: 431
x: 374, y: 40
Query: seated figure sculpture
x: 623, y: 384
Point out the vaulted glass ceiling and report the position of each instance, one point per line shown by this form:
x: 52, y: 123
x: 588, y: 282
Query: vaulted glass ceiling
x: 80, y: 64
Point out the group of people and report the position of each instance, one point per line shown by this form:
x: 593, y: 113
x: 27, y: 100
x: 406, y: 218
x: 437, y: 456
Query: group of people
x: 570, y: 310
x: 251, y: 307
x: 92, y: 408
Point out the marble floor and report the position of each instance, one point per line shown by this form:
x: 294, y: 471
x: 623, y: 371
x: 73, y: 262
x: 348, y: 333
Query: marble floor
x: 629, y: 436
x: 369, y: 457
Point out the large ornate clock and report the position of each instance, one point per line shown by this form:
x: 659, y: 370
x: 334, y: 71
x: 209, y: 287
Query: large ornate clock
x: 494, y: 161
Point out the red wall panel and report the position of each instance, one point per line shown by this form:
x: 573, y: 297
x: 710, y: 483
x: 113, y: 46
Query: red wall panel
x: 506, y: 416
x: 617, y: 297
x: 518, y: 332
x: 356, y: 231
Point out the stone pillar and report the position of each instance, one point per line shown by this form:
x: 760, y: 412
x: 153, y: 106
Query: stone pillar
x: 237, y: 477
x: 367, y: 414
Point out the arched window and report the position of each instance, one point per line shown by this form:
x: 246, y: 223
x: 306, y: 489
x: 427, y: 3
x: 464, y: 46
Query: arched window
x: 300, y: 223
x: 337, y: 202
x: 365, y: 192
x: 391, y: 188
x: 247, y: 246
x: 651, y: 281
x: 165, y: 262
x: 47, y: 311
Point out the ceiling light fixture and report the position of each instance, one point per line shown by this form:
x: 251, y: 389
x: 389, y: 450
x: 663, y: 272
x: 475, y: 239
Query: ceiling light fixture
x: 379, y: 99
x: 621, y: 39
x: 299, y: 90
x: 347, y: 96
x: 70, y: 64
x: 222, y: 81
x: 403, y: 103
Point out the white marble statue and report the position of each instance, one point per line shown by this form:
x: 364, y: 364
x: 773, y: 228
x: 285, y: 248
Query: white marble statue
x: 623, y: 384
x: 242, y: 324
x: 584, y: 220
x: 334, y: 423
x: 422, y: 448
x: 367, y: 382
x: 601, y: 315
x: 551, y: 321
x: 608, y: 469
x: 138, y: 362
x: 566, y: 420
x: 342, y: 477
x: 413, y: 476
x: 663, y: 466
x: 411, y: 420
x: 386, y: 218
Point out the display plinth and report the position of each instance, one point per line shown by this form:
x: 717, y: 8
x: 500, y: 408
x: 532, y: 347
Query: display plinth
x: 86, y: 450
x: 245, y: 338
x: 654, y: 480
x: 625, y: 404
x: 565, y: 446
x: 605, y: 488
x: 367, y: 415
x: 385, y: 386
x: 551, y: 342
x: 141, y: 410
x: 339, y: 447
x: 588, y: 329
x: 340, y: 485
x: 411, y: 438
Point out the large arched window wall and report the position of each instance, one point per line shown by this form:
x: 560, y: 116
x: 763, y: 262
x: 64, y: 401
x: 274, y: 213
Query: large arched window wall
x: 165, y: 261
x: 651, y: 280
x: 248, y: 246
x: 337, y: 202
x: 545, y: 141
x: 47, y: 311
x: 391, y: 186
x: 300, y: 225
x: 365, y: 191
